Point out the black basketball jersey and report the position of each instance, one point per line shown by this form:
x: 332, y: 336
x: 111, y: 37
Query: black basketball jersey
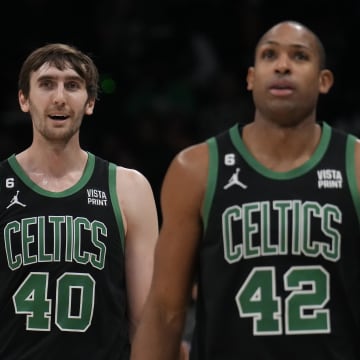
x: 62, y: 277
x: 279, y: 264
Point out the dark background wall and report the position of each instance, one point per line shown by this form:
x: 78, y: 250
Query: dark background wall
x: 172, y: 72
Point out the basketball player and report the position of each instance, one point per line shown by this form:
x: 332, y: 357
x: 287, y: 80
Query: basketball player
x: 266, y: 216
x: 78, y: 232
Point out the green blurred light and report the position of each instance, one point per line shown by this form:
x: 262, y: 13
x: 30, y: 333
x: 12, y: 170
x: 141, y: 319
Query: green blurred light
x: 108, y: 85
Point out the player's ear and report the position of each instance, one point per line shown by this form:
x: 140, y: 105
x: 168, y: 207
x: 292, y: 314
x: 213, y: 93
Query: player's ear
x: 326, y: 81
x: 89, y: 107
x: 23, y: 101
x: 250, y: 78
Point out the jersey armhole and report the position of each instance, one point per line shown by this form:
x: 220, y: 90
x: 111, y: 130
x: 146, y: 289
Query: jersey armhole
x: 351, y: 173
x: 211, y: 180
x: 115, y: 203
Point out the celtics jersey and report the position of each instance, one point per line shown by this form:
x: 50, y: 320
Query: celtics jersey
x: 279, y: 264
x: 62, y: 277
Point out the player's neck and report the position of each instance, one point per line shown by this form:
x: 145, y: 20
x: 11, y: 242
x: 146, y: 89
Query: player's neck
x: 280, y: 148
x: 53, y: 170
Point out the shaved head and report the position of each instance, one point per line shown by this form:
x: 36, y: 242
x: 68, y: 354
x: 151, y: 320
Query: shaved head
x: 300, y: 27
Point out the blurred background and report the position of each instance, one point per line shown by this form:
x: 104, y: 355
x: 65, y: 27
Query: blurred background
x: 172, y: 72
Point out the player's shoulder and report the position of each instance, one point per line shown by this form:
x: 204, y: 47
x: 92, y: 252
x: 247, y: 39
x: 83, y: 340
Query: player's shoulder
x: 123, y: 173
x: 130, y: 176
x: 357, y: 149
x: 197, y: 155
x: 191, y: 158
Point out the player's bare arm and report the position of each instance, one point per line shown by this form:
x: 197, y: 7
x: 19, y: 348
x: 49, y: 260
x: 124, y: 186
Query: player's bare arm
x: 141, y: 229
x: 181, y: 202
x: 357, y: 162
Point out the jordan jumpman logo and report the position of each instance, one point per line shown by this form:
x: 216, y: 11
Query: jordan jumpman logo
x: 15, y: 200
x: 234, y: 180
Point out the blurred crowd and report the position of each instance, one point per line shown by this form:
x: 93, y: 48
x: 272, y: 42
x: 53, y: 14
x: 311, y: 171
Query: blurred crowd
x: 172, y: 72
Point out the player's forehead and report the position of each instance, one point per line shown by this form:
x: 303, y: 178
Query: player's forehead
x: 289, y: 34
x: 50, y: 70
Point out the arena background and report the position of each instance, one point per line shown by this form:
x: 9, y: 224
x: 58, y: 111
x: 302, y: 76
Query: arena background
x: 172, y: 72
